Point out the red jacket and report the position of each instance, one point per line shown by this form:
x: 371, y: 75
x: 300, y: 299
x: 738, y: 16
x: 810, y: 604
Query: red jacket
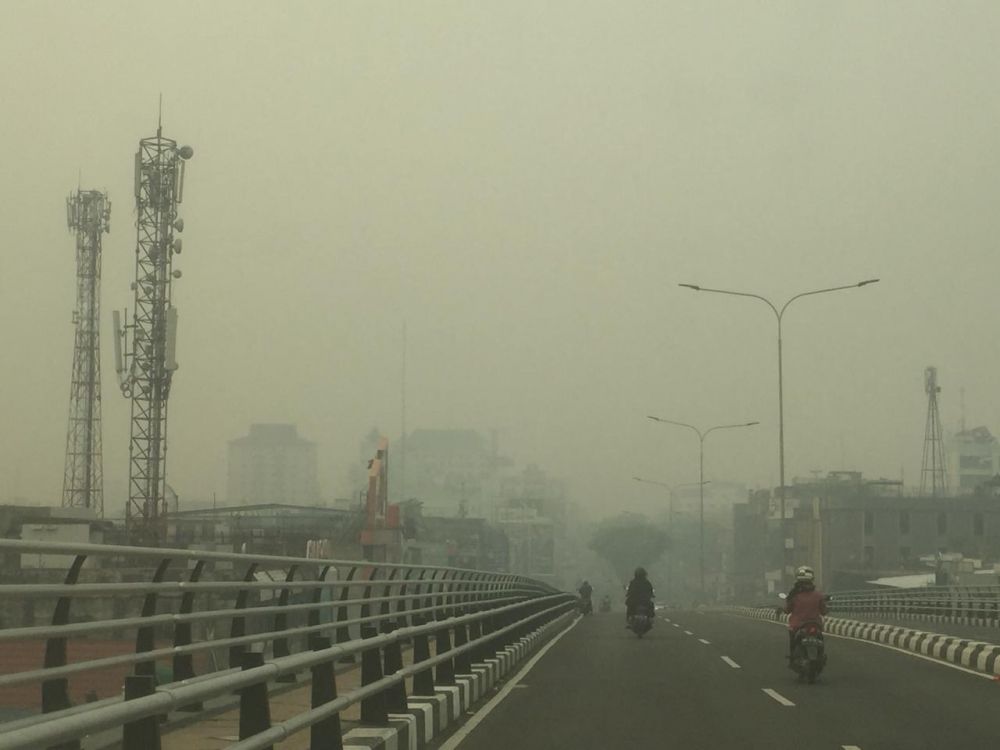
x: 804, y: 606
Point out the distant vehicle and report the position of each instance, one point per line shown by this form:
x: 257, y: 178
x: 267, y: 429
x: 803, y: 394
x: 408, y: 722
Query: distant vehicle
x: 605, y: 605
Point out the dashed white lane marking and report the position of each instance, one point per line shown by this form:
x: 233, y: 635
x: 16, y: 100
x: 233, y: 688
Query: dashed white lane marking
x: 850, y: 747
x: 702, y: 640
x: 688, y: 632
x: 730, y: 662
x: 778, y: 697
x: 676, y: 625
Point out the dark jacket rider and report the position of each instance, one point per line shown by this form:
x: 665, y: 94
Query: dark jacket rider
x: 639, y: 593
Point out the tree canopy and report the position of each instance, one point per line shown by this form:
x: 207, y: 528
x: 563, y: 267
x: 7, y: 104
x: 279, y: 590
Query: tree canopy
x: 628, y: 541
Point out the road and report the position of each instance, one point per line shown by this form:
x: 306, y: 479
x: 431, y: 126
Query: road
x: 699, y: 681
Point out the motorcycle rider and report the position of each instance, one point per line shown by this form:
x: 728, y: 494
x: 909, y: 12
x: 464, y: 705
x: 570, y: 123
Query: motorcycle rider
x: 803, y: 604
x: 638, y: 594
x: 585, y: 591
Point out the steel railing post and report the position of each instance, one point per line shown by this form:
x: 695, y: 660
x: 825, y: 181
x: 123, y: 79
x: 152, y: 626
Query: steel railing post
x: 141, y: 734
x: 423, y: 681
x: 445, y: 672
x: 325, y: 734
x: 392, y: 660
x: 255, y: 707
x: 373, y: 708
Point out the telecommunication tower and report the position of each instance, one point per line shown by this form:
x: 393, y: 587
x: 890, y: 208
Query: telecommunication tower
x: 145, y: 372
x: 933, y: 479
x: 88, y: 214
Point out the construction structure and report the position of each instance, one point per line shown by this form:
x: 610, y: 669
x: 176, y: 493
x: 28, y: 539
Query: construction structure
x: 933, y: 476
x: 381, y: 537
x: 88, y: 214
x: 146, y: 370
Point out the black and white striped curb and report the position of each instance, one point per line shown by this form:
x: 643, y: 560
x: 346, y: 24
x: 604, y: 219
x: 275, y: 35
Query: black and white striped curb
x: 429, y: 716
x: 977, y: 655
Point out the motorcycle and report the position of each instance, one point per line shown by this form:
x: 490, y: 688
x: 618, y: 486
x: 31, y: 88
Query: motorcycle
x: 585, y: 605
x: 641, y: 620
x: 808, y: 652
x: 808, y: 649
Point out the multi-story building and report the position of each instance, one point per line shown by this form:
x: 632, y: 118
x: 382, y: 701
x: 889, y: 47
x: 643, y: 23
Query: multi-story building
x: 973, y: 459
x: 450, y: 471
x: 852, y: 531
x: 272, y: 464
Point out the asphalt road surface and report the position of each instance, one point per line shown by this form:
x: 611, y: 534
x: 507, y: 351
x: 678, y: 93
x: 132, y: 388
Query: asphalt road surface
x: 718, y: 681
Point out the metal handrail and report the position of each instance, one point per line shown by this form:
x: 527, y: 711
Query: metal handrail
x: 338, y: 597
x: 176, y: 695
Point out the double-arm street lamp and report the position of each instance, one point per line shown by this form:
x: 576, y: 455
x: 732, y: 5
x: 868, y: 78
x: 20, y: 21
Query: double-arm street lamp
x: 671, y: 489
x: 702, y: 434
x: 779, y: 314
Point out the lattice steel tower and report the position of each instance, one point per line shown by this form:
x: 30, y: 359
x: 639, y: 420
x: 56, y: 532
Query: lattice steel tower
x: 88, y: 213
x: 149, y: 363
x: 933, y: 477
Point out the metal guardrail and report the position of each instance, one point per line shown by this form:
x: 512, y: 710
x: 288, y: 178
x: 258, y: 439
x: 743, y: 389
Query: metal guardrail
x: 977, y: 603
x: 304, y: 614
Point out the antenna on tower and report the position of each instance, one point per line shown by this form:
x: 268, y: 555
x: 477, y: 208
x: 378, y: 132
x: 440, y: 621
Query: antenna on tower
x: 933, y: 480
x: 147, y: 369
x: 402, y: 408
x: 88, y: 214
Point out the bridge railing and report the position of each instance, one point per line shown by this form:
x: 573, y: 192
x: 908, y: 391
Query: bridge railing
x: 978, y: 604
x: 180, y: 627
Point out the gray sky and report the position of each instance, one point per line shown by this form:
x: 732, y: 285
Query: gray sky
x: 524, y: 183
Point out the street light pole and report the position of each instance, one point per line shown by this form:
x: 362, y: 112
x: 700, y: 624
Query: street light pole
x: 779, y: 315
x: 701, y: 483
x: 671, y: 488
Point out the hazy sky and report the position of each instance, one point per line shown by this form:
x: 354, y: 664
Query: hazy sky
x: 524, y: 183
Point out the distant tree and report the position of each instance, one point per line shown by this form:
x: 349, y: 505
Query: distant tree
x: 628, y: 541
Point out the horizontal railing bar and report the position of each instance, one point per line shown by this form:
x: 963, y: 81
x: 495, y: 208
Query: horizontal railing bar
x: 37, y: 675
x: 50, y: 631
x: 26, y: 547
x: 169, y: 698
x: 180, y: 587
x: 284, y: 730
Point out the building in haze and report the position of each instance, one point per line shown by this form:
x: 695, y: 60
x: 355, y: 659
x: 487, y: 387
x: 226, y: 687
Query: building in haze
x: 273, y: 464
x: 973, y: 460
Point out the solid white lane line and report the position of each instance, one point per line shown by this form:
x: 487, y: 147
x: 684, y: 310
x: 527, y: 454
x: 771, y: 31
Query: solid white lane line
x: 688, y: 632
x: 730, y: 662
x: 702, y: 640
x: 778, y: 697
x: 463, y: 731
x: 925, y: 657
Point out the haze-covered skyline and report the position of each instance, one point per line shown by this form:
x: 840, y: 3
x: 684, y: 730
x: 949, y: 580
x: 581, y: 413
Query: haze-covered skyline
x: 524, y: 185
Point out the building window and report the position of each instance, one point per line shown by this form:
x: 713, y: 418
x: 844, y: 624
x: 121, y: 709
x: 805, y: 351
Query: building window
x: 904, y: 522
x: 942, y: 524
x: 869, y: 522
x: 977, y: 524
x: 869, y: 557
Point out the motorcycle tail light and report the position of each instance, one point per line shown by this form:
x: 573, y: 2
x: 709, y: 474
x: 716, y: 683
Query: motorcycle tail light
x: 812, y: 630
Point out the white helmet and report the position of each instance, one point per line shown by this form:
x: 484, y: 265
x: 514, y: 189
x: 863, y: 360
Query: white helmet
x: 805, y: 573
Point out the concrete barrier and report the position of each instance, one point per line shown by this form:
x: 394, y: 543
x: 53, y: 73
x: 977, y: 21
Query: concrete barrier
x: 429, y: 716
x: 976, y: 655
